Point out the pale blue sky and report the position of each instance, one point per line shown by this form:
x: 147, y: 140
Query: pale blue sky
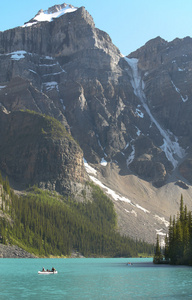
x: 130, y: 23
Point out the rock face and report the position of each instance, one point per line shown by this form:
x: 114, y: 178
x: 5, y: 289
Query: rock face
x: 132, y: 111
x: 165, y: 69
x: 35, y: 149
x: 14, y: 252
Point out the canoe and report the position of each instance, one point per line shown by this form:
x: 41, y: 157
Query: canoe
x: 47, y: 272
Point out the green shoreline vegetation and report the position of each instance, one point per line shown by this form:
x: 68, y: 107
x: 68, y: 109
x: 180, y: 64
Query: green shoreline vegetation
x: 178, y: 243
x: 50, y: 225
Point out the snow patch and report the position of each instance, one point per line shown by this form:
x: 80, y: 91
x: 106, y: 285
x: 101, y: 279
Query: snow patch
x: 131, y: 156
x: 62, y: 102
x: 50, y: 65
x: 131, y: 212
x: 162, y: 220
x: 143, y: 209
x: 110, y: 192
x: 159, y: 232
x: 103, y: 162
x: 54, y: 74
x: 126, y: 146
x: 32, y: 71
x: 139, y: 113
x: 48, y: 16
x: 49, y: 57
x: 89, y: 169
x: 138, y: 131
x: 51, y: 85
x: 17, y: 55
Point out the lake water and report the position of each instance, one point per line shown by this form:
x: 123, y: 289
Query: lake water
x: 93, y: 278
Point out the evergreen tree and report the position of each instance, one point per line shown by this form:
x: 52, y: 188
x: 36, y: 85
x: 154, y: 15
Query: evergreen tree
x: 182, y: 213
x: 166, y: 251
x: 180, y: 237
x: 47, y: 224
x: 158, y: 257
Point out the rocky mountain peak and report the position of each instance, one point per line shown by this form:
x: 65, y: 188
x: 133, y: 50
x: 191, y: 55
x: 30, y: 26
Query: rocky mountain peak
x: 53, y: 12
x: 59, y: 7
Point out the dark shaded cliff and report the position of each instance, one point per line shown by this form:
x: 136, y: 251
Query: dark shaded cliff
x: 35, y: 149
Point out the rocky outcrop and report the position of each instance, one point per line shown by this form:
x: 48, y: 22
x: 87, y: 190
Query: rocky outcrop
x: 35, y: 149
x: 12, y: 251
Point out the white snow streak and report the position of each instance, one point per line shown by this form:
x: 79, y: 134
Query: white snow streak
x: 62, y: 102
x: 54, y: 74
x: 162, y: 220
x: 131, y: 212
x: 17, y: 55
x: 143, y: 209
x: 110, y: 192
x: 51, y: 85
x: 32, y: 71
x: 131, y: 156
x: 171, y: 148
x: 179, y: 92
x: 159, y: 232
x: 138, y: 131
x: 139, y: 113
x: 91, y: 171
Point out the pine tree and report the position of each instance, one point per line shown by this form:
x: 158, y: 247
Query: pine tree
x: 166, y: 251
x: 180, y: 237
x: 158, y: 257
x: 179, y: 241
x: 182, y: 213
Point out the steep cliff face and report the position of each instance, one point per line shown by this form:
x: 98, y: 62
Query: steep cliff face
x: 133, y: 112
x: 35, y: 149
x: 166, y: 72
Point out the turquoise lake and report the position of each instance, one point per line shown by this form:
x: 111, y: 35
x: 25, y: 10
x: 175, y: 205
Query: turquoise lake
x: 93, y: 278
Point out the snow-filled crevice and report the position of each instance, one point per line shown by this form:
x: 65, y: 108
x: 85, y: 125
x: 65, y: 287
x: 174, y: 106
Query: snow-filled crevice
x: 184, y: 99
x: 170, y: 146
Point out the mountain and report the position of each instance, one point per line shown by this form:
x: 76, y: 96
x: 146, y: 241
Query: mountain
x: 129, y: 115
x: 38, y: 149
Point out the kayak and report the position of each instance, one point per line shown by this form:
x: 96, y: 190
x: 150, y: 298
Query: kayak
x: 47, y: 272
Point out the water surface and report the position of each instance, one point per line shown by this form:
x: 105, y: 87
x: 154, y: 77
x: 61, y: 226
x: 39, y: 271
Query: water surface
x: 98, y: 278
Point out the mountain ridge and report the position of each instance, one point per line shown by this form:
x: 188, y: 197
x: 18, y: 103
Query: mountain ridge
x: 131, y: 112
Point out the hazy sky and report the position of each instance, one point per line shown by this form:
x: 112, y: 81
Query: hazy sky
x: 130, y: 23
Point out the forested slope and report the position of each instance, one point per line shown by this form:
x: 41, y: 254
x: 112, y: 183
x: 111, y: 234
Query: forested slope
x: 46, y: 223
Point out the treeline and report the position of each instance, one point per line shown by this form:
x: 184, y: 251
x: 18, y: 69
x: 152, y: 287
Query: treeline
x: 178, y: 243
x: 45, y: 223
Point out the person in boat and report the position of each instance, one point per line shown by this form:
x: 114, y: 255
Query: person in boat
x: 53, y: 270
x: 43, y: 270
